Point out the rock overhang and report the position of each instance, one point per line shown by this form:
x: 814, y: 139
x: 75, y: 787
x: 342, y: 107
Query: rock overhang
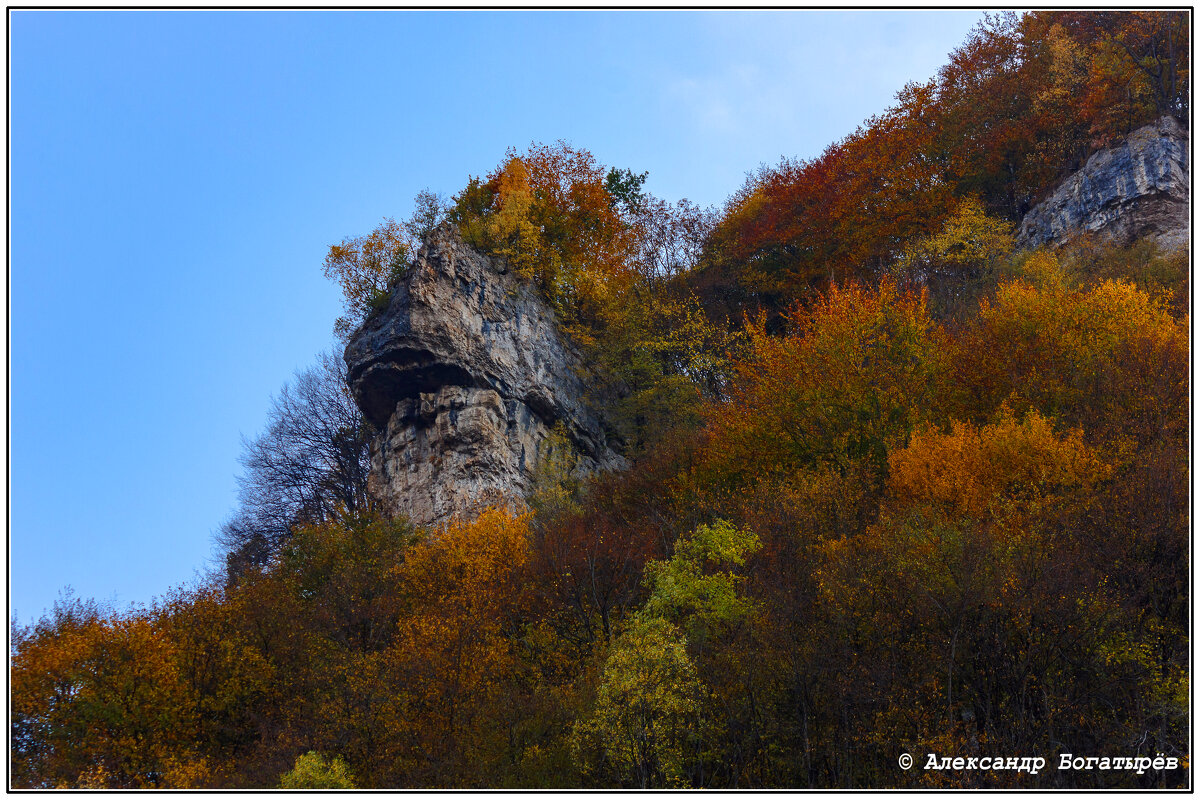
x: 466, y: 374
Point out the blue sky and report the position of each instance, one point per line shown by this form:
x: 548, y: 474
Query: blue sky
x: 176, y: 177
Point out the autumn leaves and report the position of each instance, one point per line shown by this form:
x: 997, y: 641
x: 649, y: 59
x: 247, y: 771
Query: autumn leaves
x: 895, y: 488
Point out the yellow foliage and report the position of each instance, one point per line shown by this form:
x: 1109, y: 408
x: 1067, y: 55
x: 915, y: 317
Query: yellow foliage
x: 863, y: 368
x: 647, y: 710
x: 512, y: 230
x: 109, y: 693
x: 1097, y: 359
x: 969, y: 238
x: 367, y: 268
x: 547, y: 211
x: 462, y: 585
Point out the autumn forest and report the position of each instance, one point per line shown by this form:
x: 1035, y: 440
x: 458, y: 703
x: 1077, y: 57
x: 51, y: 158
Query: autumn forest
x: 897, y: 485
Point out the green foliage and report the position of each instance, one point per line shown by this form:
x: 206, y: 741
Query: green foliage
x: 685, y: 591
x: 312, y: 771
x: 650, y: 725
x: 601, y: 251
x: 887, y: 535
x: 625, y: 188
x: 429, y: 211
x: 664, y: 357
x: 646, y: 718
x: 342, y: 571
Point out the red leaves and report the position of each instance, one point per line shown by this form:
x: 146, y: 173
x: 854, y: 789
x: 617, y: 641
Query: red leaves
x: 1019, y: 105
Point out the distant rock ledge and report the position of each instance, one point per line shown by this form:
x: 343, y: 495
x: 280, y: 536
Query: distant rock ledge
x: 466, y: 374
x: 1140, y: 188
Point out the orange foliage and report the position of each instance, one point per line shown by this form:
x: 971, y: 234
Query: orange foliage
x: 548, y: 212
x: 107, y: 701
x: 969, y: 471
x: 451, y: 655
x: 1110, y: 360
x: 861, y: 370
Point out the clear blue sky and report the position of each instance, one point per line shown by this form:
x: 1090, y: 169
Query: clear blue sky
x: 176, y: 177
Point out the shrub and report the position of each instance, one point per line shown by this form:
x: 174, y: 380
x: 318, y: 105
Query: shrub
x: 312, y: 771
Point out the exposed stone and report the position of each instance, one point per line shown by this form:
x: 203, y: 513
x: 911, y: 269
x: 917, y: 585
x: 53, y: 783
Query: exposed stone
x: 466, y: 374
x: 1137, y: 189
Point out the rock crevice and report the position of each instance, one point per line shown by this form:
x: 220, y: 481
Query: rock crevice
x: 465, y: 374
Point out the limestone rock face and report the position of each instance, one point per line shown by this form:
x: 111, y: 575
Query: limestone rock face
x: 466, y: 374
x: 1136, y: 189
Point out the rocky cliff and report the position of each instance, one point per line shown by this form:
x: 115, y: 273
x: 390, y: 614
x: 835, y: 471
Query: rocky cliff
x: 1139, y: 188
x: 466, y: 374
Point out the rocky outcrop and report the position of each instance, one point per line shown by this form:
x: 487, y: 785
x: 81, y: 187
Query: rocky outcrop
x: 466, y: 374
x: 1138, y: 189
